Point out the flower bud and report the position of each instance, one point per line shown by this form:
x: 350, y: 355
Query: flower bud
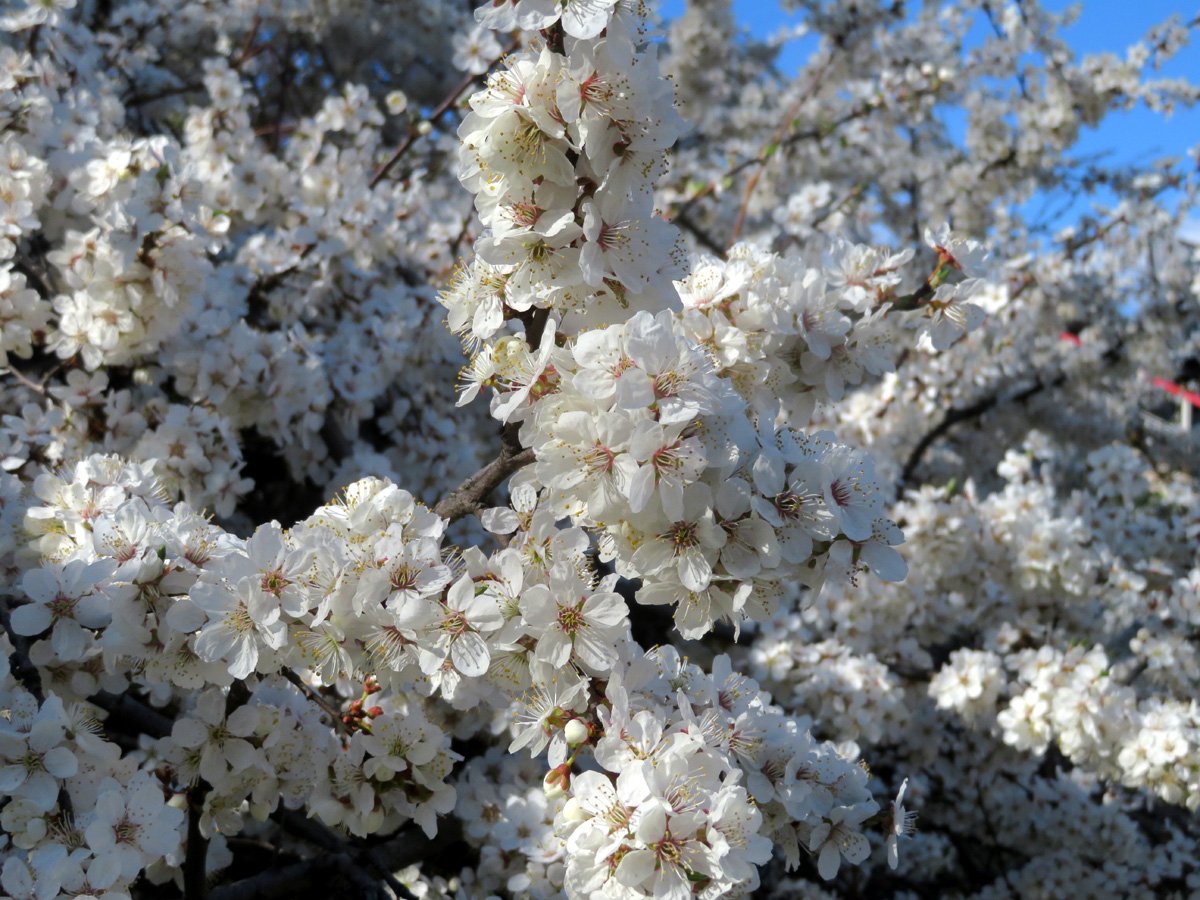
x: 573, y: 810
x: 575, y: 732
x: 557, y: 781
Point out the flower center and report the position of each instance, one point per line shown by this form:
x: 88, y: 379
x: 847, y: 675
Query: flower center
x: 570, y: 619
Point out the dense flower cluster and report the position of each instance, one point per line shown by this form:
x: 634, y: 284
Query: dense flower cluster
x: 856, y: 489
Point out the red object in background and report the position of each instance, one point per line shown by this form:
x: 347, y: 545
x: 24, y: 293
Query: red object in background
x: 1071, y: 338
x: 1170, y: 387
x: 1174, y: 389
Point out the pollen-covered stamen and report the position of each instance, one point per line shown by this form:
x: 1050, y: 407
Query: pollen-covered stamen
x: 905, y: 824
x: 525, y: 213
x: 618, y: 815
x: 200, y: 554
x: 570, y: 619
x: 666, y: 460
x: 239, y: 619
x: 403, y: 577
x: 843, y: 492
x: 622, y: 365
x: 595, y: 90
x: 743, y: 742
x: 681, y: 536
x: 62, y: 607
x: 790, y: 504
x: 532, y: 141
x: 599, y: 459
x: 669, y: 851
x: 775, y: 770
x: 612, y: 234
x: 273, y: 582
x: 126, y: 832
x: 495, y: 282
x: 455, y: 624
x: 539, y: 251
x: 121, y: 549
x: 387, y: 645
x: 667, y: 384
x: 503, y: 83
x: 32, y: 762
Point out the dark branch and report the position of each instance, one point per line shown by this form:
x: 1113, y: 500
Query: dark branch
x: 438, y: 111
x: 468, y: 497
x: 301, y: 879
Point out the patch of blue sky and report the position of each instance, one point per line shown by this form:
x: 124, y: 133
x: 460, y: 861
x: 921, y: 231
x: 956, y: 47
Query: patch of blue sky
x: 1138, y: 135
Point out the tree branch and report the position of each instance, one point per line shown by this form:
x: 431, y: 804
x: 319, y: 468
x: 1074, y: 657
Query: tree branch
x: 142, y: 718
x: 404, y: 849
x: 469, y: 496
x: 195, y: 880
x: 438, y: 111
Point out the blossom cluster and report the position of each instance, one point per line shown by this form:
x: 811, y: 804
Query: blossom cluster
x: 764, y: 472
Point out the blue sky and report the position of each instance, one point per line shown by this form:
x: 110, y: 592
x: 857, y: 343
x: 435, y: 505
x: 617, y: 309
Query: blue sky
x: 1102, y: 25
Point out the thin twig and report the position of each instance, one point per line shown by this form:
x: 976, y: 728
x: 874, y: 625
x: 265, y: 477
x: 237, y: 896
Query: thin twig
x: 24, y: 379
x: 771, y: 147
x: 438, y: 111
x: 469, y: 496
x: 315, y: 696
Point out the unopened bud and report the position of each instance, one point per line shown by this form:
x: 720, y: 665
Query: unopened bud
x: 573, y: 810
x: 375, y: 711
x: 557, y: 781
x: 575, y: 732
